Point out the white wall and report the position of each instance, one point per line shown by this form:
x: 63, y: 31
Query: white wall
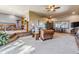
x: 8, y: 18
x: 71, y: 18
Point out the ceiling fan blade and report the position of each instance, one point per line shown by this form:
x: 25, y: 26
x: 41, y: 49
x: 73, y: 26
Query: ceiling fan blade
x: 53, y: 5
x: 57, y: 7
x: 54, y: 10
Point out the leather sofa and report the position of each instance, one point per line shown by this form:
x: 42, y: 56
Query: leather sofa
x: 46, y: 34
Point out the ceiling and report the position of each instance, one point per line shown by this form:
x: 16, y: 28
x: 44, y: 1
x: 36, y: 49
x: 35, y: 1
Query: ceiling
x: 23, y: 10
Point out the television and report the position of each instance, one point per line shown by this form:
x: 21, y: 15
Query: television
x: 75, y: 24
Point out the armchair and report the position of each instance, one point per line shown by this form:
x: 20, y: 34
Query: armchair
x: 46, y: 34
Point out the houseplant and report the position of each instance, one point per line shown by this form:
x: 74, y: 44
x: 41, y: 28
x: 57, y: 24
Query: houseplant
x: 3, y: 38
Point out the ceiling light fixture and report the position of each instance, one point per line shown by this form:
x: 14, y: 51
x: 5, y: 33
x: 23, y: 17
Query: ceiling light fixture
x: 52, y: 8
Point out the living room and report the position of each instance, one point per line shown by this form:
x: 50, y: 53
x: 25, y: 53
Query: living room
x: 39, y: 29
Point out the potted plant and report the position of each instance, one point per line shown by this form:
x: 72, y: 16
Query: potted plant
x: 3, y: 38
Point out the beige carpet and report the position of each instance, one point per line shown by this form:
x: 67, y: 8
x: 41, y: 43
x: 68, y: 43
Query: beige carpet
x: 60, y: 44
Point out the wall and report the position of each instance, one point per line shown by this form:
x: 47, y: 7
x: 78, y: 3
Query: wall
x: 4, y: 18
x: 34, y: 19
x: 70, y: 18
x: 73, y: 18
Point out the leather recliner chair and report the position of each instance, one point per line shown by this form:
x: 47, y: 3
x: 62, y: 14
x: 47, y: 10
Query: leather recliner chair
x: 46, y: 34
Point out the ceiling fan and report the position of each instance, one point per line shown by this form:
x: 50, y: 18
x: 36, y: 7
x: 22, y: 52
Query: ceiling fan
x: 52, y: 8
